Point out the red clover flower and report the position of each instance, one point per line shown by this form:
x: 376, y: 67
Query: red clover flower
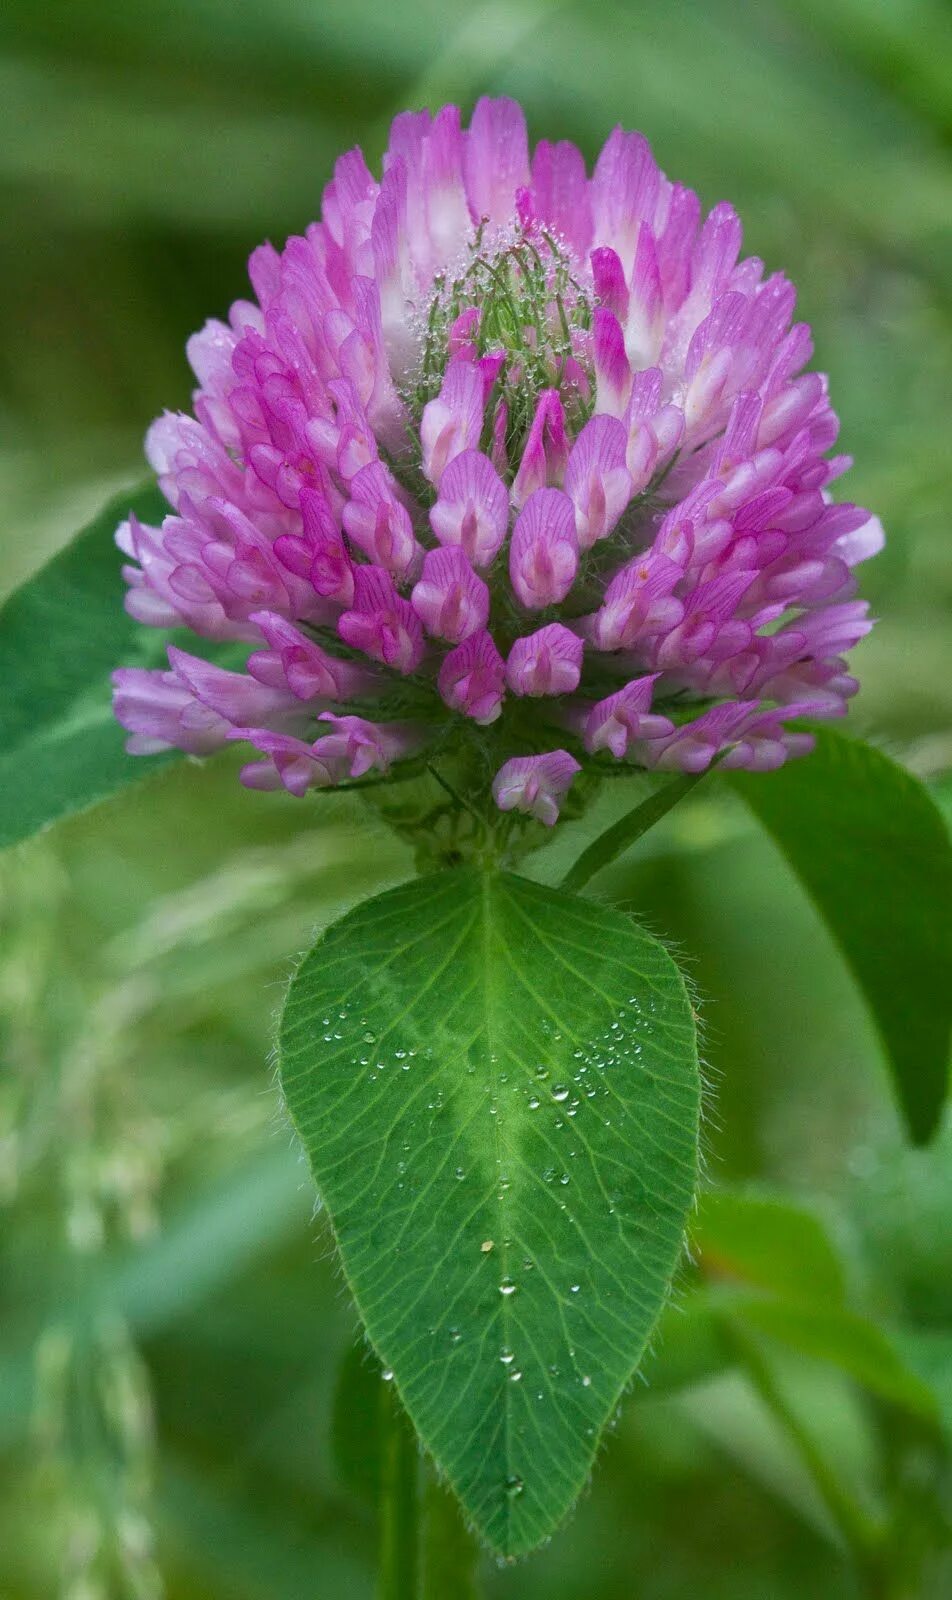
x: 505, y: 460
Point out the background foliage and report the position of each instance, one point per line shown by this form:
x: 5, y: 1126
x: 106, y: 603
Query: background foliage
x: 171, y: 1318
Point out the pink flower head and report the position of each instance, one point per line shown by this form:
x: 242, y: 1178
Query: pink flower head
x: 453, y: 421
x: 471, y: 678
x: 617, y: 722
x: 597, y: 480
x: 535, y: 784
x: 546, y: 449
x: 494, y: 423
x: 543, y: 557
x: 378, y: 523
x: 546, y: 662
x: 449, y: 599
x: 382, y: 623
x: 472, y: 509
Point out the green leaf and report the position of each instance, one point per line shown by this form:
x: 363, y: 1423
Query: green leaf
x: 690, y: 1345
x: 497, y: 1088
x: 870, y: 847
x: 768, y: 1243
x: 61, y: 635
x: 928, y: 1352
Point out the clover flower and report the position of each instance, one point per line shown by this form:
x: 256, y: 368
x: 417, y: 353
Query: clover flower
x: 508, y: 460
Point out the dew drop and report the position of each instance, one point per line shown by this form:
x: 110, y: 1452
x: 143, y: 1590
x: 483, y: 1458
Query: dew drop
x: 460, y: 1173
x: 586, y: 1382
x: 387, y: 1374
x: 559, y: 1092
x: 507, y: 1286
x: 534, y: 1102
x: 507, y: 1357
x: 514, y: 1486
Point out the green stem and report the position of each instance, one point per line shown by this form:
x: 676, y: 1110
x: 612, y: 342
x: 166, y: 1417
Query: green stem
x: 450, y: 1554
x: 398, y: 1577
x: 623, y: 833
x: 863, y: 1535
x: 458, y: 798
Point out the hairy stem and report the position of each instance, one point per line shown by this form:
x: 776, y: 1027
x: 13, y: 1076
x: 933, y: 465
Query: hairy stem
x: 398, y: 1577
x: 450, y: 1553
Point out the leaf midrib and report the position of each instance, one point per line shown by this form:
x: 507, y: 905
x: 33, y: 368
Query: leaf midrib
x: 489, y: 996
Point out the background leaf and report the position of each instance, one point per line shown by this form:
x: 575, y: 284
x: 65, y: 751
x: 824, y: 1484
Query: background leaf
x: 61, y: 635
x: 872, y: 850
x: 497, y: 1089
x: 846, y: 1340
x: 766, y: 1242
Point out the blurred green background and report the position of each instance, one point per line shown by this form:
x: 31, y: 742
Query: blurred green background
x: 171, y: 1320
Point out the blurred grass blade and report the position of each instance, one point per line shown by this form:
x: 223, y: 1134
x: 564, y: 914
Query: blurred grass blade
x: 870, y: 847
x: 610, y: 844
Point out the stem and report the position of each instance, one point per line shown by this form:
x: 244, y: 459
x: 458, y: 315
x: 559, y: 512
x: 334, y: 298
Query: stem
x: 863, y: 1535
x: 398, y: 1577
x: 450, y: 1554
